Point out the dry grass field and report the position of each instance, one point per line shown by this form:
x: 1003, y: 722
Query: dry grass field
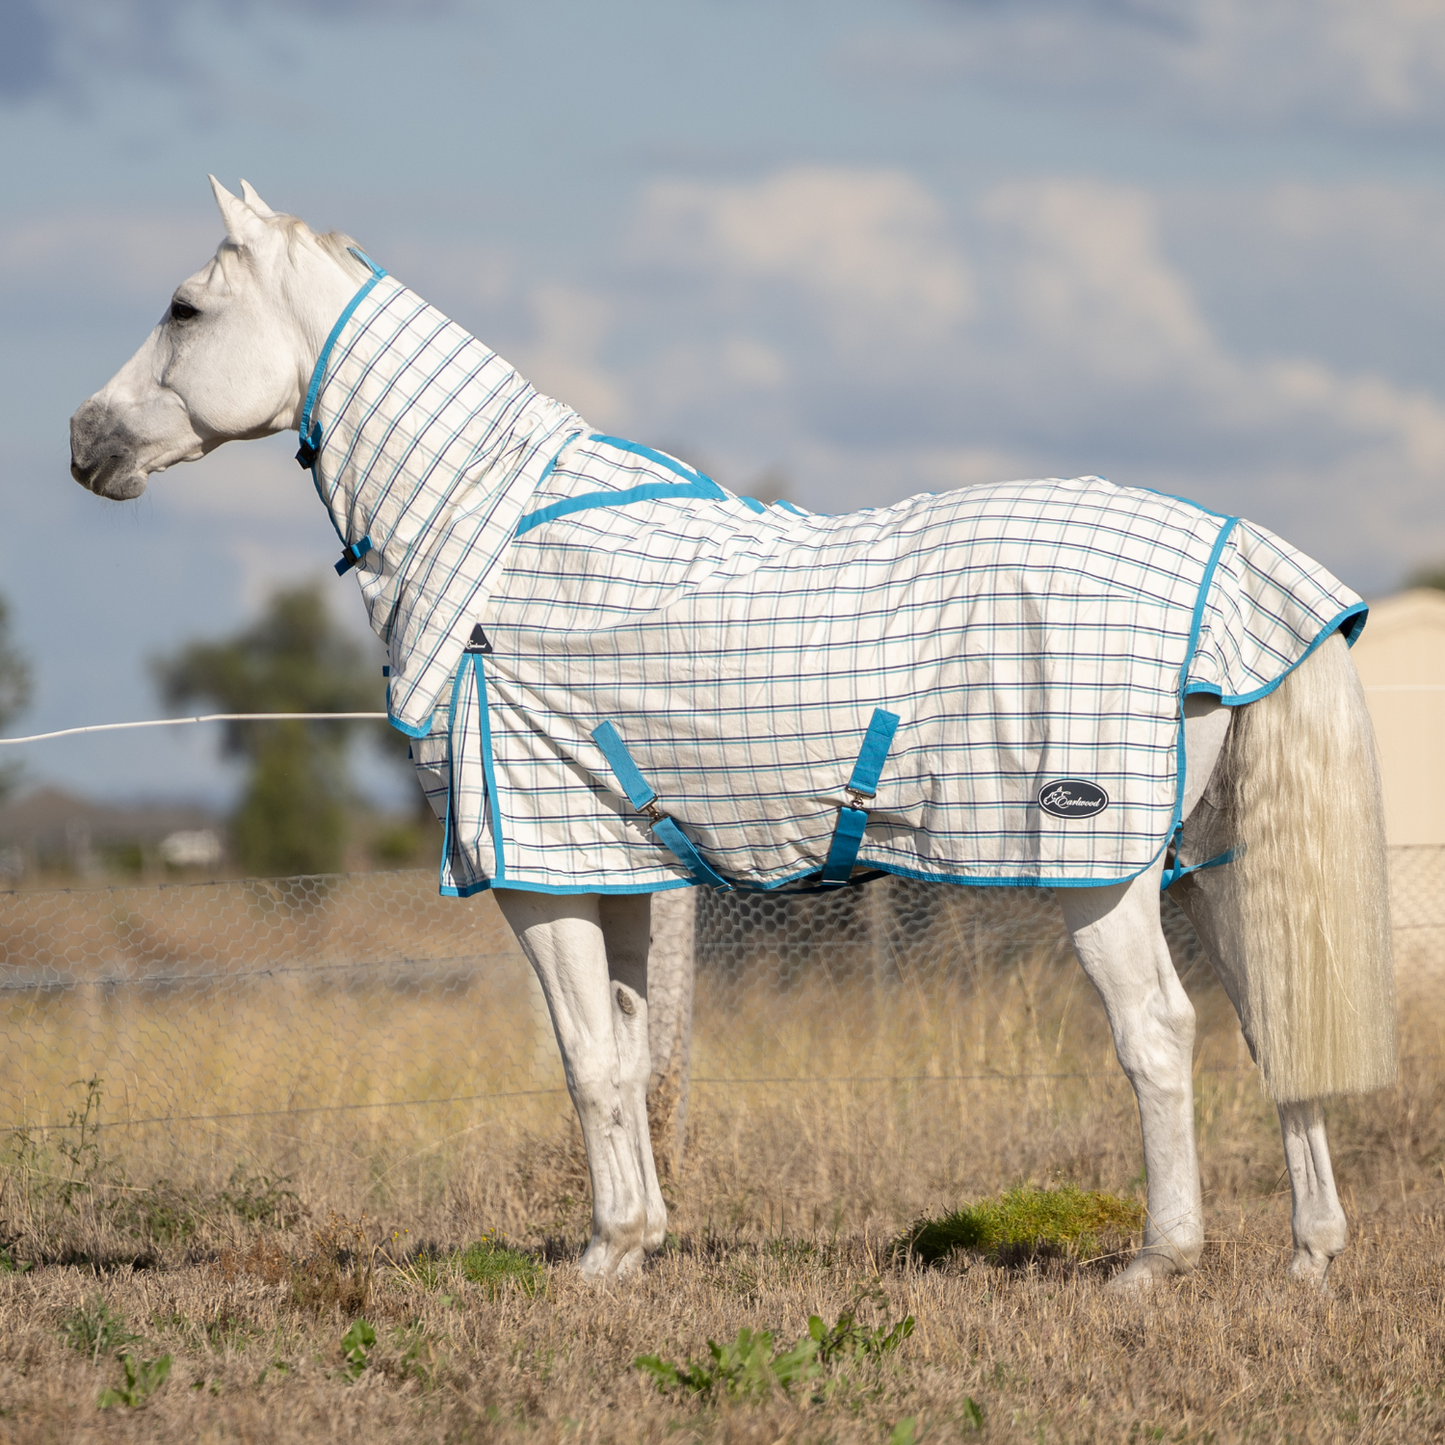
x: 341, y: 1273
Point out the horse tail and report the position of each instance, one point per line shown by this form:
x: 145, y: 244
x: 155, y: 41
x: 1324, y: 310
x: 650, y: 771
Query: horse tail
x: 1305, y: 812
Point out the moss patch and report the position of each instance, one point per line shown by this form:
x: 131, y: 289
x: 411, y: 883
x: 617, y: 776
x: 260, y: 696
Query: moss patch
x: 1021, y: 1224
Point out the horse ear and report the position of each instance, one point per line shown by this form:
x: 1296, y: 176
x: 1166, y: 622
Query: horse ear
x: 243, y: 225
x: 248, y: 194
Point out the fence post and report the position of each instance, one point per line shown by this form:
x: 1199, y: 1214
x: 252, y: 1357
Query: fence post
x: 670, y: 963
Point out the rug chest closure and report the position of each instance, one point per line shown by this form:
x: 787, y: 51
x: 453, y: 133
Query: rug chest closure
x: 861, y: 788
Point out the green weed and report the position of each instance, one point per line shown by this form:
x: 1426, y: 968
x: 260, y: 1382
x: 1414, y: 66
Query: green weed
x: 1022, y: 1223
x: 262, y: 1200
x: 418, y: 1353
x: 95, y: 1331
x: 356, y: 1347
x: 746, y: 1368
x: 848, y: 1340
x: 749, y: 1366
x: 142, y: 1379
x: 494, y: 1265
x: 10, y: 1265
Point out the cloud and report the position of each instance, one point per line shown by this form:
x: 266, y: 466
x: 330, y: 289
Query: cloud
x: 569, y: 325
x: 1347, y: 273
x: 836, y: 325
x: 870, y: 248
x: 1232, y: 63
x: 111, y: 257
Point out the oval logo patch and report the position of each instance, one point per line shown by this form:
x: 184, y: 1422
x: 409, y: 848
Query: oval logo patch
x: 1073, y: 798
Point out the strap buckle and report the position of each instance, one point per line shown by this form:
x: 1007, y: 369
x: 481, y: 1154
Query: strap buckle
x: 861, y: 788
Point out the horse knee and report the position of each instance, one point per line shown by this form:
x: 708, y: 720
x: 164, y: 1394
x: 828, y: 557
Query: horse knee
x: 629, y: 1022
x: 1154, y: 1035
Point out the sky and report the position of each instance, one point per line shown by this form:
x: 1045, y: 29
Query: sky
x: 841, y: 252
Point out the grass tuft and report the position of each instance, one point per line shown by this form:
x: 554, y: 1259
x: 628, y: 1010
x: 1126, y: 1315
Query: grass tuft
x: 496, y: 1266
x: 1021, y: 1224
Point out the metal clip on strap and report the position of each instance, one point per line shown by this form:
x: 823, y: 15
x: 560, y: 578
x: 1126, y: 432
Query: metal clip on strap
x: 848, y: 835
x: 644, y: 800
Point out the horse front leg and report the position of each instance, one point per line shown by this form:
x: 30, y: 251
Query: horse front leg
x: 1118, y: 940
x: 598, y: 1024
x: 626, y: 929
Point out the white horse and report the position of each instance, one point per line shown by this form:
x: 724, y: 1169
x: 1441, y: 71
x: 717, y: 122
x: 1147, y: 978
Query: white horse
x: 1297, y: 927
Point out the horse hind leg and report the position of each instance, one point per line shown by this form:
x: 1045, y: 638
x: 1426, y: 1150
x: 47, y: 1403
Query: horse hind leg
x: 1297, y: 927
x: 1317, y: 1219
x: 1119, y: 942
x: 606, y: 1067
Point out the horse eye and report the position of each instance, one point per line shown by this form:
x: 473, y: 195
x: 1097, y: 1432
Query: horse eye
x: 180, y: 311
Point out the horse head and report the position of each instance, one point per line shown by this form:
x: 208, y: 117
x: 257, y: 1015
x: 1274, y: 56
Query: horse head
x: 231, y: 357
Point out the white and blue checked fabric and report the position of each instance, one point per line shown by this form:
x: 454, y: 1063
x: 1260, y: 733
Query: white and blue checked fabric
x: 430, y: 447
x: 1024, y: 634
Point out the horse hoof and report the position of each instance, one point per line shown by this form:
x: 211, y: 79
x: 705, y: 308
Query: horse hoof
x: 1311, y: 1270
x: 603, y: 1262
x: 1144, y: 1273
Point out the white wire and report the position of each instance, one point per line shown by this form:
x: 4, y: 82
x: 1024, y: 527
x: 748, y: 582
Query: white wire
x: 167, y: 722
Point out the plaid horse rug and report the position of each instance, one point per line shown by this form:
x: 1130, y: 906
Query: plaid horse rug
x: 620, y: 677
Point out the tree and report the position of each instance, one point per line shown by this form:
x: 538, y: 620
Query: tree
x: 14, y: 691
x: 291, y: 818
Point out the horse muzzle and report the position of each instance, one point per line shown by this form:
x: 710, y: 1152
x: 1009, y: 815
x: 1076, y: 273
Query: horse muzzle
x: 103, y: 457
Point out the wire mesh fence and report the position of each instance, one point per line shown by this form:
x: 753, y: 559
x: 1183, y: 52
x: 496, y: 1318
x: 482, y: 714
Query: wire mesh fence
x: 367, y: 993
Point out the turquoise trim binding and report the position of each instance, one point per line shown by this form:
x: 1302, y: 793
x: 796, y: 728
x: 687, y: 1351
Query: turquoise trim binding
x: 682, y: 469
x: 409, y: 732
x: 493, y: 805
x: 376, y: 271
x: 309, y: 452
x: 1181, y: 764
x: 319, y: 371
x: 482, y: 884
x: 1338, y: 624
x: 647, y: 492
x: 451, y: 781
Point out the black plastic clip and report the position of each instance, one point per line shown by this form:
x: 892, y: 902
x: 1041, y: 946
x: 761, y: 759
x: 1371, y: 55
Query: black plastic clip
x: 310, y: 447
x: 354, y: 552
x: 477, y: 642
